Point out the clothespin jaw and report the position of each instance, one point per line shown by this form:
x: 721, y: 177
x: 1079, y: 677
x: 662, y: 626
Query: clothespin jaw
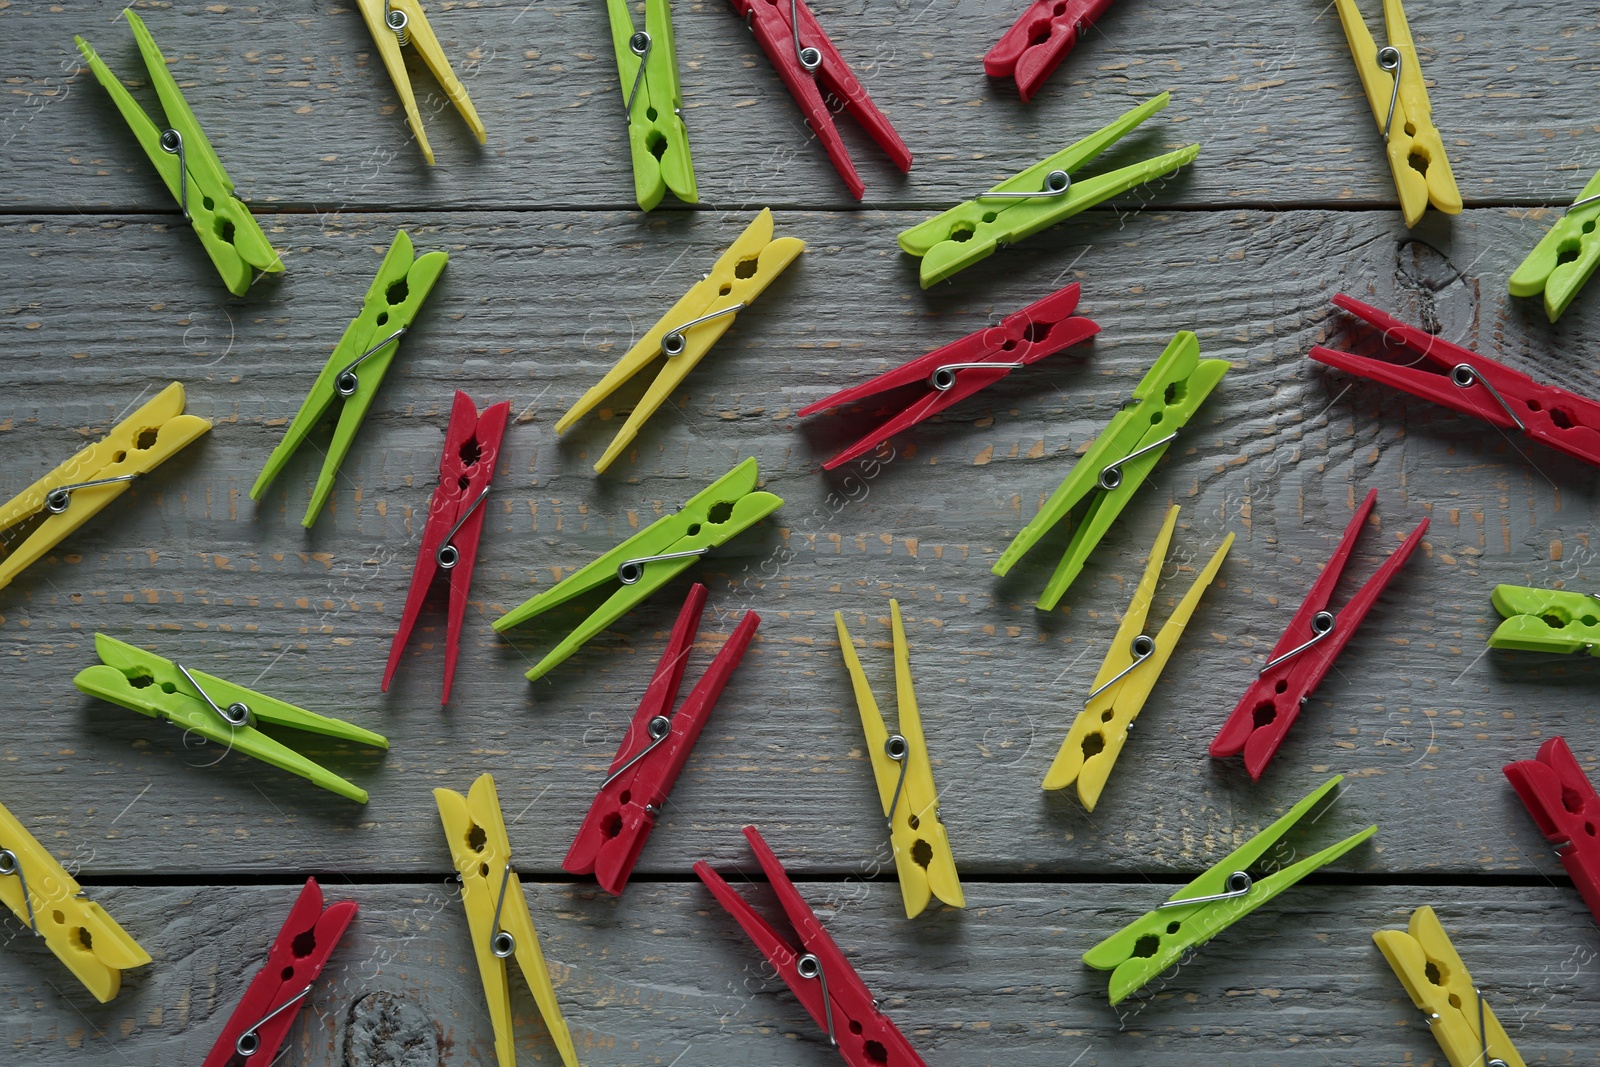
x: 266, y: 1013
x: 1039, y: 40
x: 651, y: 558
x: 396, y: 23
x: 1132, y: 665
x: 1563, y: 802
x: 904, y: 774
x: 1428, y: 965
x: 1561, y: 263
x: 1034, y: 200
x: 455, y: 522
x: 1546, y: 620
x: 74, y: 492
x: 357, y: 366
x: 686, y: 333
x: 187, y: 163
x: 647, y: 63
x: 1120, y: 460
x: 497, y: 913
x: 41, y: 893
x: 1211, y: 903
x: 957, y: 370
x: 653, y: 751
x: 217, y: 710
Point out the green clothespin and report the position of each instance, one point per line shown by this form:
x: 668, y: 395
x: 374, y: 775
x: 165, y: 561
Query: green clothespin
x: 1120, y: 459
x: 1546, y: 620
x: 1559, y: 264
x: 647, y: 62
x: 1211, y: 903
x: 1034, y: 200
x: 190, y: 167
x: 219, y: 711
x: 651, y: 558
x: 358, y: 364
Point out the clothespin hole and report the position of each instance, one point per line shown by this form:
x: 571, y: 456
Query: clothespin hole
x: 1095, y: 743
x: 1173, y: 928
x: 922, y: 852
x: 476, y: 840
x: 655, y: 142
x: 989, y: 216
x: 1432, y: 973
x: 1150, y: 944
x: 224, y: 226
x: 611, y: 825
x: 397, y: 293
x: 912, y: 821
x: 147, y: 439
x: 694, y: 530
x: 1455, y: 1000
x: 1282, y: 686
x: 83, y: 935
x: 119, y: 456
x: 138, y: 681
x: 876, y: 1052
x: 720, y: 512
x: 855, y: 1027
x: 1266, y: 712
x: 746, y: 268
x: 304, y: 944
x: 961, y: 232
x: 725, y: 290
x: 1569, y: 800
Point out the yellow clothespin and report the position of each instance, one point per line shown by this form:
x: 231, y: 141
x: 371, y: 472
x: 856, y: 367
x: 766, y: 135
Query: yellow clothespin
x: 905, y: 780
x: 42, y: 894
x: 1392, y: 78
x: 497, y: 913
x: 397, y: 23
x: 74, y: 492
x: 1428, y: 965
x: 1130, y: 671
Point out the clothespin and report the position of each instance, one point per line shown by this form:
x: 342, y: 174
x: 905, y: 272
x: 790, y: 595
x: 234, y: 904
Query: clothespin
x: 266, y: 1012
x: 1464, y: 381
x: 356, y: 368
x: 961, y: 368
x: 686, y: 333
x: 651, y: 558
x: 190, y: 167
x: 1211, y: 903
x: 455, y: 521
x: 647, y: 62
x: 815, y: 970
x: 904, y: 773
x: 1132, y: 665
x: 41, y: 893
x: 1564, y: 258
x: 1428, y: 965
x: 1564, y: 804
x: 1392, y: 78
x: 1546, y: 620
x: 814, y: 71
x: 497, y: 913
x: 397, y: 23
x: 1034, y: 46
x: 74, y: 492
x: 1120, y: 459
x: 217, y: 710
x: 1306, y: 651
x: 653, y: 751
x: 1034, y: 200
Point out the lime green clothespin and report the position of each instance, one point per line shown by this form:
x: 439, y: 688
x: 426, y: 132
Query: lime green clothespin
x: 1563, y: 260
x: 1546, y: 620
x: 357, y: 366
x: 647, y: 62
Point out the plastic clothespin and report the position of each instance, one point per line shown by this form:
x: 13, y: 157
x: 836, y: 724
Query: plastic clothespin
x: 814, y: 71
x: 1211, y: 903
x: 1120, y: 459
x: 1034, y: 200
x: 653, y: 751
x: 904, y: 774
x: 455, y: 521
x: 686, y: 333
x: 1039, y: 40
x: 1392, y: 78
x: 647, y: 62
x: 41, y: 893
x: 1132, y: 665
x: 357, y: 366
x: 397, y: 23
x: 497, y: 913
x: 961, y: 368
x: 218, y: 711
x: 1546, y: 620
x: 1564, y: 804
x: 266, y: 1012
x: 190, y: 167
x: 1306, y: 651
x: 651, y: 558
x: 1475, y: 385
x: 1428, y: 965
x: 1564, y: 258
x: 74, y: 492
x: 815, y: 970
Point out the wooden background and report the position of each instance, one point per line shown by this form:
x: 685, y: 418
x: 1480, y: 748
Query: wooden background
x: 107, y: 296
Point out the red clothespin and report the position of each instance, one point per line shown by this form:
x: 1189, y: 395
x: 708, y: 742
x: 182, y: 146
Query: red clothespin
x: 814, y: 70
x: 1306, y: 651
x: 267, y: 1010
x: 1563, y: 802
x: 653, y: 751
x: 455, y: 520
x: 817, y: 972
x: 963, y: 367
x: 1475, y: 385
x: 1037, y: 42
